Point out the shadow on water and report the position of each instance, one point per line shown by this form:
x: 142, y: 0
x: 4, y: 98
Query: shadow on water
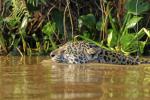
x: 34, y: 78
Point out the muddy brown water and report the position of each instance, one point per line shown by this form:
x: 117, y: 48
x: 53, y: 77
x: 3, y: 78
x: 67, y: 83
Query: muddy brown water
x: 37, y: 78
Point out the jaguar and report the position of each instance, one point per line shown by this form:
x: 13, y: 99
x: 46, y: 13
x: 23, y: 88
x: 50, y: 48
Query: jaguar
x: 80, y: 52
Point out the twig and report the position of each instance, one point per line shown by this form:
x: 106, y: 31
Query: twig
x: 50, y: 11
x: 0, y: 5
x: 64, y: 23
x: 72, y: 27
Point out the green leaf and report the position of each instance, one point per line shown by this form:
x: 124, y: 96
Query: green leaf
x: 24, y: 23
x: 130, y: 42
x: 133, y: 21
x: 88, y: 20
x: 98, y: 25
x: 112, y: 38
x: 86, y: 34
x: 141, y: 46
x: 49, y: 28
x: 147, y: 32
x: 13, y: 22
x: 125, y: 41
x: 141, y: 33
x: 137, y: 7
x: 58, y: 19
x: 113, y: 23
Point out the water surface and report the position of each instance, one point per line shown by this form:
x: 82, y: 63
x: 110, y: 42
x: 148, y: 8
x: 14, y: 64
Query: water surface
x: 37, y: 78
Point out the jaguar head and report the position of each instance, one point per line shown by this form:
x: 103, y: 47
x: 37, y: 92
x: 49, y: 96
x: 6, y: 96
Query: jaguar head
x: 76, y: 53
x: 58, y: 55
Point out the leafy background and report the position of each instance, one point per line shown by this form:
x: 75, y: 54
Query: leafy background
x: 35, y: 27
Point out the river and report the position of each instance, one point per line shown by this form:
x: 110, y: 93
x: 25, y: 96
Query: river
x: 38, y: 78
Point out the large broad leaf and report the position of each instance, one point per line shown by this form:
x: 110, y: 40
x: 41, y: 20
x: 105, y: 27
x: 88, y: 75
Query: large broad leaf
x: 112, y: 39
x: 58, y: 19
x: 49, y: 28
x: 88, y: 20
x: 129, y: 45
x: 125, y: 40
x: 136, y: 46
x: 133, y: 21
x: 130, y: 42
x: 137, y: 7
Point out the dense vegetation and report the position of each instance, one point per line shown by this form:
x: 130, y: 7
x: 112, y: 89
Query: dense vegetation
x: 35, y: 27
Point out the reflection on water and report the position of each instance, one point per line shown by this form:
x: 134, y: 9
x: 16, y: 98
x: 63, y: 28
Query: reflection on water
x: 33, y: 78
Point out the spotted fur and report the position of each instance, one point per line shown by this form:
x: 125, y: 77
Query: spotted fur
x: 84, y: 52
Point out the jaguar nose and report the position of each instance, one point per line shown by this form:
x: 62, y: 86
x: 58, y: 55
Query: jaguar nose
x: 52, y: 54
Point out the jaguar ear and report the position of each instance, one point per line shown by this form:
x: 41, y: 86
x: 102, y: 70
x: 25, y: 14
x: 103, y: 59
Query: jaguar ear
x: 91, y: 51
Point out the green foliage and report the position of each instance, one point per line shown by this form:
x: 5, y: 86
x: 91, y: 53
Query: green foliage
x: 121, y: 39
x: 19, y: 9
x: 19, y: 16
x: 16, y: 24
x: 137, y: 7
x: 49, y: 29
x: 112, y: 38
x: 12, y: 23
x: 132, y: 22
x: 57, y: 17
x: 89, y: 21
x: 22, y: 28
x: 126, y: 42
x: 36, y: 2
